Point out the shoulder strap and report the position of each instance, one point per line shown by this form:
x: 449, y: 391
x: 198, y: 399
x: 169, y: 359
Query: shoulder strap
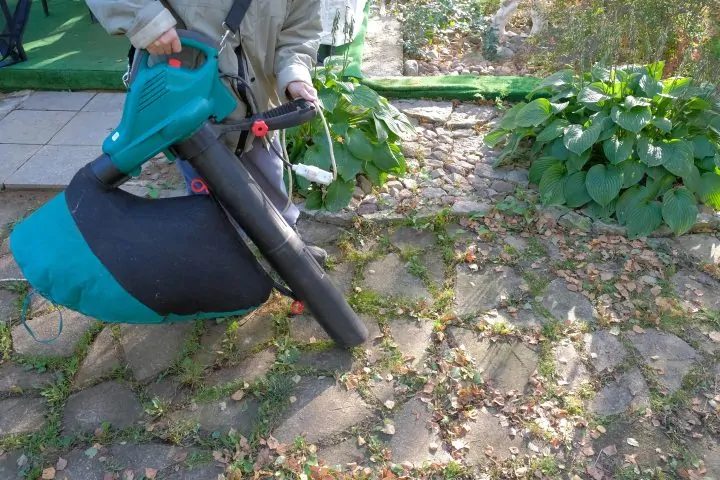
x: 236, y: 15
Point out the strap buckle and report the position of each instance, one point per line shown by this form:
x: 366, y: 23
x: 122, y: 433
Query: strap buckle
x: 224, y: 37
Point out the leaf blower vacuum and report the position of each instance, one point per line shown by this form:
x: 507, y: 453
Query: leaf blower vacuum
x: 121, y: 258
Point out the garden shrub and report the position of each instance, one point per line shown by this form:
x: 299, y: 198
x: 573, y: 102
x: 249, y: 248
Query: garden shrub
x: 426, y: 22
x: 581, y: 33
x: 365, y: 130
x: 620, y: 142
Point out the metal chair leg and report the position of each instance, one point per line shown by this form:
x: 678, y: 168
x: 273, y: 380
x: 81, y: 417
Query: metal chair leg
x: 45, y: 8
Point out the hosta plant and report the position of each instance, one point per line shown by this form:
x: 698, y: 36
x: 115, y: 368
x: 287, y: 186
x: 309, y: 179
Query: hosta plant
x: 365, y: 130
x: 619, y: 142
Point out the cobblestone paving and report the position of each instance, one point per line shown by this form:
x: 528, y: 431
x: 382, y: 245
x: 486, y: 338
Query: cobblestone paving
x: 503, y: 345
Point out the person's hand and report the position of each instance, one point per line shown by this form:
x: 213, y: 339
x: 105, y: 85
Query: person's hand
x: 166, y: 44
x: 302, y: 90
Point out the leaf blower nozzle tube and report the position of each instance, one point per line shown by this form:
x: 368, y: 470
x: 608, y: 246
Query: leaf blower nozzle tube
x: 233, y: 186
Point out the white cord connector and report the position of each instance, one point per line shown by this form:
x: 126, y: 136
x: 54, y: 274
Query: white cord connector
x: 314, y: 174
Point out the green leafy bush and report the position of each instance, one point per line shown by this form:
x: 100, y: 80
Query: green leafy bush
x: 620, y: 142
x: 365, y: 130
x: 429, y: 21
x: 583, y: 32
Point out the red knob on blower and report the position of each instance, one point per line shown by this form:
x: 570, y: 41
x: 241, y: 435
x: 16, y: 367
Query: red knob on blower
x: 260, y: 128
x: 297, y: 307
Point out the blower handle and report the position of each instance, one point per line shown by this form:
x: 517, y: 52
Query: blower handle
x: 288, y: 115
x: 188, y: 38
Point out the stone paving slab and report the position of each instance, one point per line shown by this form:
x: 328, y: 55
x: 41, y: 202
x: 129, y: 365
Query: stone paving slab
x: 46, y: 327
x: 8, y: 306
x: 668, y: 355
x: 567, y: 306
x: 14, y: 379
x: 628, y: 392
x: 21, y: 415
x: 412, y: 337
x: 88, y: 129
x: 63, y: 101
x: 316, y: 400
x: 105, y: 102
x: 13, y: 157
x: 604, y: 350
x: 32, y: 127
x: 480, y: 292
x: 52, y: 167
x: 249, y: 370
x: 413, y: 421
x: 103, y: 357
x: 108, y: 402
x: 389, y: 276
x: 221, y: 416
x: 152, y: 349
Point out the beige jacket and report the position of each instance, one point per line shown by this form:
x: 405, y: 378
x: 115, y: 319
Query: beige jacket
x: 280, y: 38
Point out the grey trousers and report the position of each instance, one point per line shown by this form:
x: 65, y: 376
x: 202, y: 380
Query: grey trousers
x: 266, y: 168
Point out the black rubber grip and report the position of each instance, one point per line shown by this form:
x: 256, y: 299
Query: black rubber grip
x: 288, y: 115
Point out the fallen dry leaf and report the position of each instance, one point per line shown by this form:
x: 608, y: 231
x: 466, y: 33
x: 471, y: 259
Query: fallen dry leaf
x: 272, y: 443
x: 61, y: 464
x: 714, y: 336
x: 601, y: 429
x: 638, y: 329
x: 633, y: 442
x: 237, y: 396
x: 48, y: 473
x: 389, y: 404
x: 610, y: 450
x: 389, y: 429
x: 150, y: 473
x: 595, y: 472
x: 128, y: 475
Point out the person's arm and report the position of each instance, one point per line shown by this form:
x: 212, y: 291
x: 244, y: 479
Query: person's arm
x: 143, y: 21
x: 296, y: 50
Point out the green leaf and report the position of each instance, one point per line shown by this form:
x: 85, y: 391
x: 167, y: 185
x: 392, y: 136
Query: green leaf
x: 631, y: 102
x: 558, y: 79
x: 384, y: 158
x: 366, y: 97
x: 677, y: 87
x: 534, y: 113
x: 618, y: 149
x: 643, y: 218
x: 608, y: 132
x: 710, y: 189
x: 359, y: 145
x: 507, y: 122
x: 539, y: 166
x: 380, y: 130
x: 558, y: 150
x: 338, y: 195
x: 681, y: 158
x: 493, y: 138
x: 578, y: 140
x: 593, y: 94
x: 575, y: 163
x: 373, y: 173
x: 633, y: 172
x: 706, y: 164
x: 677, y: 153
x: 329, y: 98
x: 663, y: 124
x: 553, y: 130
x: 703, y: 147
x: 601, y: 73
x: 633, y: 120
x: 318, y: 155
x: 650, y: 86
x: 628, y: 197
x: 679, y: 210
x: 348, y: 165
x: 595, y: 210
x: 314, y: 200
x: 693, y: 181
x: 576, y: 194
x: 604, y: 183
x: 552, y: 185
x: 558, y: 107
